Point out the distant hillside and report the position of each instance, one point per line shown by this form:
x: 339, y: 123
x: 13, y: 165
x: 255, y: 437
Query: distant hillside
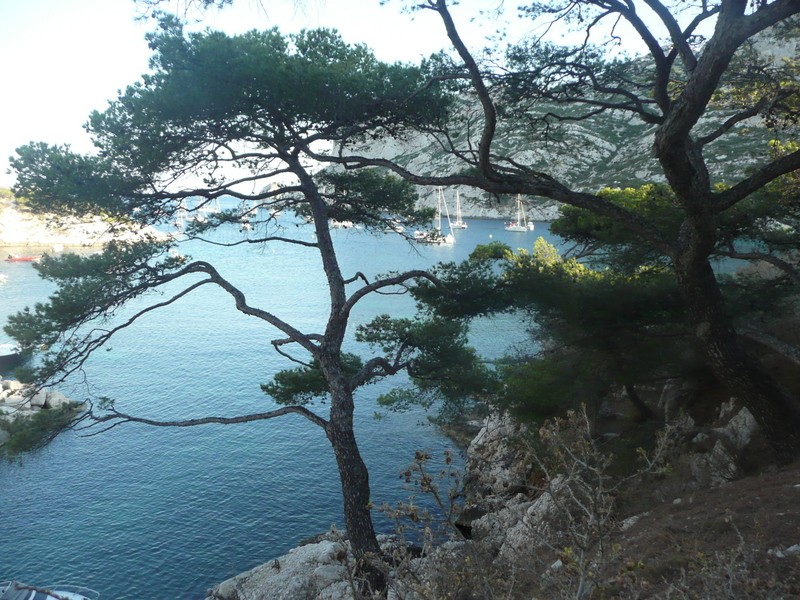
x: 609, y: 150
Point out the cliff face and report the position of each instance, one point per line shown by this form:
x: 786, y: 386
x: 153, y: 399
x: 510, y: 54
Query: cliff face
x: 612, y: 149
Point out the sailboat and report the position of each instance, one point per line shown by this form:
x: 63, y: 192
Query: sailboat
x: 436, y: 236
x: 181, y: 217
x: 245, y: 211
x: 521, y: 224
x: 459, y: 223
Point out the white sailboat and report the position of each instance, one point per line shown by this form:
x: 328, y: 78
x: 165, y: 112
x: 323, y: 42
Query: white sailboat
x: 459, y: 223
x: 245, y: 212
x: 521, y: 224
x: 436, y: 236
x: 181, y: 217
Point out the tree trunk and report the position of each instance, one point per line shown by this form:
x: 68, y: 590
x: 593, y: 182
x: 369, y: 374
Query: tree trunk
x: 645, y: 412
x: 776, y: 412
x: 353, y: 473
x: 355, y: 491
x: 354, y: 479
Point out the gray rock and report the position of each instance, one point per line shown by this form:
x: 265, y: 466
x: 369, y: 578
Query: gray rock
x: 17, y: 401
x: 733, y: 441
x: 311, y: 572
x: 494, y: 467
x: 39, y: 399
x: 11, y: 384
x: 56, y: 399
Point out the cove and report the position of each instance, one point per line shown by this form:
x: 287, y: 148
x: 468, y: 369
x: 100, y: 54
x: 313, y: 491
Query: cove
x: 141, y: 512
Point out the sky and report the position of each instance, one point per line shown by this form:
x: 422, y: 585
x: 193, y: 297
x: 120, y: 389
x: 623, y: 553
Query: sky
x: 61, y: 60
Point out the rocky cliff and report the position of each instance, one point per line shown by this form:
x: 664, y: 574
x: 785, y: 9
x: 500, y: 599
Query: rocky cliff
x: 612, y: 149
x: 553, y: 519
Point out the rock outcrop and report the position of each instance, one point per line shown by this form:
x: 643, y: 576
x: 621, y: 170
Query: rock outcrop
x: 512, y: 520
x: 19, y: 401
x: 317, y: 570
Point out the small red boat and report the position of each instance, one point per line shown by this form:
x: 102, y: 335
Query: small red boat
x: 16, y: 258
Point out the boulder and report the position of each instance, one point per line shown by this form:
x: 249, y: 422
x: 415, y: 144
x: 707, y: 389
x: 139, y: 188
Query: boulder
x: 11, y: 384
x: 675, y: 395
x: 315, y: 571
x: 17, y: 401
x: 730, y: 447
x: 492, y: 528
x: 494, y: 466
x: 15, y: 404
x: 432, y: 575
x: 55, y: 400
x: 39, y: 399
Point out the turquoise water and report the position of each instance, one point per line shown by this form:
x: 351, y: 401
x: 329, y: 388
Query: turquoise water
x: 145, y: 513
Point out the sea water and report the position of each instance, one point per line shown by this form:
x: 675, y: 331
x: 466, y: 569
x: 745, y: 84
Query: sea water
x: 141, y: 512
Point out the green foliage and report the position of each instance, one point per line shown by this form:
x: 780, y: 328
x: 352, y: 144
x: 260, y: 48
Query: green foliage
x: 263, y: 93
x: 303, y: 385
x: 436, y: 356
x: 490, y: 251
x: 254, y: 86
x: 586, y: 295
x: 55, y: 179
x: 542, y: 388
x: 371, y: 198
x: 607, y: 241
x: 601, y: 328
x: 471, y: 289
x: 33, y: 432
x: 596, y: 327
x: 89, y: 288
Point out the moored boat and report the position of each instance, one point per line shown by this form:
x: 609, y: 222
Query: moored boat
x: 10, y: 357
x: 459, y: 223
x: 15, y: 590
x: 522, y: 223
x: 436, y: 236
x: 18, y: 258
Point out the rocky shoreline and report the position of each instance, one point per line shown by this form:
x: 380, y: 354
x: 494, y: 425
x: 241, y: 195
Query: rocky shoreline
x: 513, y: 524
x: 23, y: 230
x: 19, y: 402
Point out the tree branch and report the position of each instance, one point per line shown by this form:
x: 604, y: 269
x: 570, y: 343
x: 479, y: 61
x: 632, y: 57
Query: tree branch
x: 767, y: 173
x: 732, y: 121
x: 388, y: 282
x: 489, y: 110
x: 116, y: 417
x: 378, y: 365
x: 788, y: 268
x: 785, y: 349
x: 676, y: 35
x: 77, y: 358
x: 242, y: 306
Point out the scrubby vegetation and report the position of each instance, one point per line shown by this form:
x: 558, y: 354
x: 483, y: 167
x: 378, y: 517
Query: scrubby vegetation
x: 35, y: 431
